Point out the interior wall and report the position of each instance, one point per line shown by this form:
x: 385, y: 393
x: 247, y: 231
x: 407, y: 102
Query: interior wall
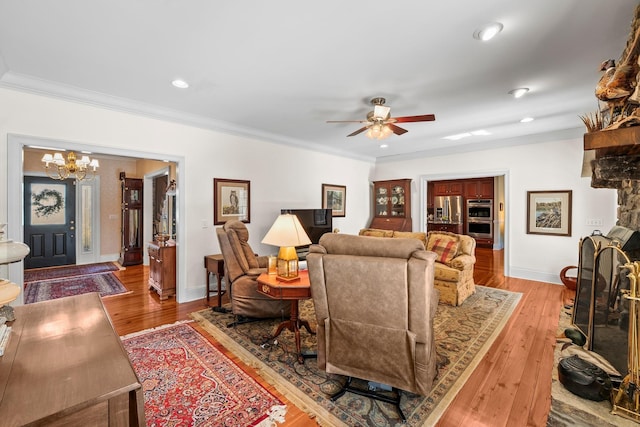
x: 280, y: 176
x: 546, y: 166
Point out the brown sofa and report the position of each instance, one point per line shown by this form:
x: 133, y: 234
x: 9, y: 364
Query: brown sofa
x: 454, y: 262
x: 375, y: 303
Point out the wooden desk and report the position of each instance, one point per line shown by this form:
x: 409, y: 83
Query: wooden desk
x: 215, y: 265
x: 293, y: 290
x: 65, y: 365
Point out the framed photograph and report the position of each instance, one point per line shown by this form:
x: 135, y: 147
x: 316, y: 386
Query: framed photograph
x: 334, y: 197
x: 549, y: 212
x: 231, y: 200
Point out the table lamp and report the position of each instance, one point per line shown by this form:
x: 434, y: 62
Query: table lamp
x: 10, y: 251
x: 287, y: 232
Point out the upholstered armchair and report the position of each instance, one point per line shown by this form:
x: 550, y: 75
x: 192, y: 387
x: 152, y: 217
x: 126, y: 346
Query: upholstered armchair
x: 242, y: 268
x: 375, y: 303
x: 455, y: 260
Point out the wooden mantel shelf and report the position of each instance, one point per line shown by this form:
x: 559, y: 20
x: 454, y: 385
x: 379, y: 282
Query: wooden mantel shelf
x: 623, y: 141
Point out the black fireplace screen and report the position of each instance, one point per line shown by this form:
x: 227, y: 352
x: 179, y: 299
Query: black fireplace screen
x: 600, y: 311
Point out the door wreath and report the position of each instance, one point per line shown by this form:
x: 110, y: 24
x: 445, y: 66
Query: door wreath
x: 47, y: 202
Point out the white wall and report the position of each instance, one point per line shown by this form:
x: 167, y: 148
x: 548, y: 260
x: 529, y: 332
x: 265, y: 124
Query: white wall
x: 281, y: 177
x: 543, y: 166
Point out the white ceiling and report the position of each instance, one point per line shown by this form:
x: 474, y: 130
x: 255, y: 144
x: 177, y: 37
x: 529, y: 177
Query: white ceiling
x: 277, y: 70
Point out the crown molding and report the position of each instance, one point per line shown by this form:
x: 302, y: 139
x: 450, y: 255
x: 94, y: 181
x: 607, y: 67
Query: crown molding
x: 25, y: 83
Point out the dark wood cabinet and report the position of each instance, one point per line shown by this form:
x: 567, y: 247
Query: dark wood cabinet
x: 162, y: 269
x: 451, y: 228
x: 478, y: 188
x: 447, y: 188
x: 131, y: 250
x: 392, y: 205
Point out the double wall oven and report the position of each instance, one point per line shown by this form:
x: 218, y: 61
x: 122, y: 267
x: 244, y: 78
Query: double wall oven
x: 480, y: 218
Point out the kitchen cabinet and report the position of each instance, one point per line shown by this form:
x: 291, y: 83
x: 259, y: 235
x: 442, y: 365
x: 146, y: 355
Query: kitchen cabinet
x: 447, y: 188
x: 478, y: 188
x: 448, y: 227
x: 392, y: 205
x: 162, y: 268
x: 131, y: 248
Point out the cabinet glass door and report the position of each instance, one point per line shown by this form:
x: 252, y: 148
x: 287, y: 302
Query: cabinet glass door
x: 382, y: 201
x: 397, y: 201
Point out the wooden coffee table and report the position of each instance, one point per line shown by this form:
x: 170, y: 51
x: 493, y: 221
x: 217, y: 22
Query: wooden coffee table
x: 294, y: 291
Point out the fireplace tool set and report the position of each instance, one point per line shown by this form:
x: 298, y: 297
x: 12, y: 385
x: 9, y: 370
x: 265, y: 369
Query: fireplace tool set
x: 626, y: 400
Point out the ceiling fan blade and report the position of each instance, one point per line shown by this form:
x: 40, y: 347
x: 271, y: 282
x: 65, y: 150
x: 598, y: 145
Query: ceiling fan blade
x: 362, y: 129
x: 397, y: 129
x: 423, y: 118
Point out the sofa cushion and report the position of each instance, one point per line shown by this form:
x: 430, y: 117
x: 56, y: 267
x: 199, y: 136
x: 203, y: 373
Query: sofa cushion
x: 373, y: 232
x: 412, y: 235
x: 445, y: 247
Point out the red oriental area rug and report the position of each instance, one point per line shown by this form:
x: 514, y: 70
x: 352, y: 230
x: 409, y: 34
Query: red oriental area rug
x: 49, y: 273
x: 106, y: 284
x: 189, y: 382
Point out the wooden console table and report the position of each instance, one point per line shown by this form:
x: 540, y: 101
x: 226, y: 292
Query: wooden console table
x: 65, y: 365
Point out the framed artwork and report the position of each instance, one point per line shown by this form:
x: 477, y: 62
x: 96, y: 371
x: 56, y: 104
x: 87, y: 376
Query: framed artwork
x: 334, y: 197
x: 549, y: 212
x: 231, y: 200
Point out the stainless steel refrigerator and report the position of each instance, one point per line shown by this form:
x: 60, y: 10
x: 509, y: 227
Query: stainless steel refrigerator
x: 448, y: 209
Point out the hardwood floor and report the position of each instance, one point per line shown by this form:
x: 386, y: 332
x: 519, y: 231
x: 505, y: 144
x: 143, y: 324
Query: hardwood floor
x: 510, y: 387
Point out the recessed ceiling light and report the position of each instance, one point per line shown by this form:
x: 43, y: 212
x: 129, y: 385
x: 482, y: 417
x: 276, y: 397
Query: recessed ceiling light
x: 480, y: 132
x: 517, y: 93
x: 384, y: 145
x: 179, y: 83
x: 458, y: 136
x: 527, y: 120
x: 487, y: 32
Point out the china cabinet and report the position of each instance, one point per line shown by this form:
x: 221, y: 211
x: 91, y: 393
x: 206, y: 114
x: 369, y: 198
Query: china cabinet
x: 392, y: 205
x: 131, y: 250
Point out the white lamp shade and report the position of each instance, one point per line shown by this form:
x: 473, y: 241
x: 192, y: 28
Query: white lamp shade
x: 286, y: 231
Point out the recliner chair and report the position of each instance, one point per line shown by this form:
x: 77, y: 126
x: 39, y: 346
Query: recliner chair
x: 242, y: 268
x: 375, y: 302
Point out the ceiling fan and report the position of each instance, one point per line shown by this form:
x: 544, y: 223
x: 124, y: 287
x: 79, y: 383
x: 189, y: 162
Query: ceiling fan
x: 379, y: 122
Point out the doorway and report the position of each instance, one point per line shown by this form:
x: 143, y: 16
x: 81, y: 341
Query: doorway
x: 17, y: 144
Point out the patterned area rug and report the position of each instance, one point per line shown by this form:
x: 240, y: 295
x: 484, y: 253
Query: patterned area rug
x: 188, y: 382
x: 463, y: 335
x: 106, y: 284
x: 67, y: 271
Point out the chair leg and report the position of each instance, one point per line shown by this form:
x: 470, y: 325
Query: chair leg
x: 395, y: 400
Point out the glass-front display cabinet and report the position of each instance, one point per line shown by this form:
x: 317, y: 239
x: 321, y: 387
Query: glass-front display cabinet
x: 392, y: 205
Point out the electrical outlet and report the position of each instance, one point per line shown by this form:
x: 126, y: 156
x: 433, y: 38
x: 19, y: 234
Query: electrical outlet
x: 204, y: 223
x: 594, y: 222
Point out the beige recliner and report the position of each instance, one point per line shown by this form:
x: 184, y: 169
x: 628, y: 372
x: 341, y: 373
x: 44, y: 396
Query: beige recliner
x: 242, y: 269
x: 375, y: 303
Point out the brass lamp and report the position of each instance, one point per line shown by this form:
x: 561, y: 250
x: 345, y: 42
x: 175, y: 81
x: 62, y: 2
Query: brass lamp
x: 287, y: 232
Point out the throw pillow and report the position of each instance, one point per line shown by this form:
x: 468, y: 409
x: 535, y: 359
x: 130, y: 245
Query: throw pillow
x: 444, y: 247
x: 376, y: 233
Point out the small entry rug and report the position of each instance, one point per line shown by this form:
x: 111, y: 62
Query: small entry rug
x: 188, y: 382
x: 49, y: 273
x: 463, y: 336
x: 106, y: 284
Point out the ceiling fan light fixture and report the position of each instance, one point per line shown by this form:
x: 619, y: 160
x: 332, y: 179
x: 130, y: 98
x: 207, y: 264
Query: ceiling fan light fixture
x: 379, y: 131
x: 519, y: 92
x: 488, y: 32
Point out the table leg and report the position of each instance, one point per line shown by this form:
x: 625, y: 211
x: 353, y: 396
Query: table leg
x: 294, y: 324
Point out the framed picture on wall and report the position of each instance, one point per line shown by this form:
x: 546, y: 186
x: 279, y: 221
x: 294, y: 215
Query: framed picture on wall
x: 549, y: 212
x: 334, y: 197
x: 231, y: 200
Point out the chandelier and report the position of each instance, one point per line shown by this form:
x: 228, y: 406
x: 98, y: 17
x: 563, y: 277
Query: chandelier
x: 58, y: 168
